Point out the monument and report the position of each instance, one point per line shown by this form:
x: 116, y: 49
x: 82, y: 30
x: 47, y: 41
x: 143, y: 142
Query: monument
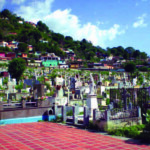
x: 60, y: 99
x: 92, y: 97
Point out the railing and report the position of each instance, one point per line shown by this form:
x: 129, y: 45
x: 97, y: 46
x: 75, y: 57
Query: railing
x: 122, y: 114
x: 116, y: 114
x: 100, y: 115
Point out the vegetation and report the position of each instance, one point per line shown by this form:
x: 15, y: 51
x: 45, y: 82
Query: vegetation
x: 16, y: 68
x: 45, y: 40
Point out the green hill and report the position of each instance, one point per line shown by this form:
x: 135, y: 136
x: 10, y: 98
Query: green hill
x: 16, y: 28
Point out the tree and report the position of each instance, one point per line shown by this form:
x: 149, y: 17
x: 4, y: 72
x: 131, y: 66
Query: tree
x: 16, y: 68
x: 23, y: 47
x: 42, y: 27
x: 6, y: 13
x: 130, y: 67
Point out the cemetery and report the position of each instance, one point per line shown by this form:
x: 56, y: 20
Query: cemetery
x: 108, y: 100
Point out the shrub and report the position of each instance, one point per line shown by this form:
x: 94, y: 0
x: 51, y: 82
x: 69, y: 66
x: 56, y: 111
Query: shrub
x: 70, y: 113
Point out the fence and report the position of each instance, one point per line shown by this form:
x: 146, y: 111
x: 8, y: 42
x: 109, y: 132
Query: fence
x: 116, y: 114
x: 138, y: 96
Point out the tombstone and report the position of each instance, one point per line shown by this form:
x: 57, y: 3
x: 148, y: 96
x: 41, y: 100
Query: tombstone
x: 75, y: 114
x: 125, y: 95
x: 24, y: 86
x: 11, y: 87
x: 38, y: 90
x: 110, y: 107
x: 1, y: 105
x: 64, y: 117
x: 130, y: 106
x: 1, y: 81
x: 134, y: 81
x: 23, y: 103
x: 86, y: 116
x: 92, y: 98
x: 72, y: 83
x: 100, y: 79
x: 92, y: 86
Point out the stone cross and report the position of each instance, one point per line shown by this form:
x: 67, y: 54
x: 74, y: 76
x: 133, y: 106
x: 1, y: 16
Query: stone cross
x: 125, y: 95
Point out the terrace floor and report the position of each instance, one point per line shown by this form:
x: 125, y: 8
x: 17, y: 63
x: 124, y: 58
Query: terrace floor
x: 52, y: 136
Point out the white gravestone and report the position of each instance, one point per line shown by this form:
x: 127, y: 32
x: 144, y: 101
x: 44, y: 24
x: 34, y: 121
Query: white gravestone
x: 92, y: 97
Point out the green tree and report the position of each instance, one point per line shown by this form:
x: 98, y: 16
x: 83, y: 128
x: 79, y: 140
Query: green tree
x: 23, y: 47
x: 130, y: 67
x: 16, y: 68
x: 42, y: 27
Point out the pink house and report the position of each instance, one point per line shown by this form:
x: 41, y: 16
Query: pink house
x: 2, y: 54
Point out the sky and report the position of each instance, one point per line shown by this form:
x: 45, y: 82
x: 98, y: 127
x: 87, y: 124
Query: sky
x: 105, y: 23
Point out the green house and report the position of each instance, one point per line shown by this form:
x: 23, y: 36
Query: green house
x: 50, y: 63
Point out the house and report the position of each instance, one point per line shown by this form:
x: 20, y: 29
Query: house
x: 30, y: 47
x: 31, y: 23
x: 11, y: 54
x: 13, y: 45
x: 37, y: 63
x: 3, y: 44
x: 2, y: 54
x: 12, y: 33
x: 50, y: 63
x: 74, y: 65
x: 43, y: 41
x: 24, y: 55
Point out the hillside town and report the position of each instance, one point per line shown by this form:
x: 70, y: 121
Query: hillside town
x: 43, y: 77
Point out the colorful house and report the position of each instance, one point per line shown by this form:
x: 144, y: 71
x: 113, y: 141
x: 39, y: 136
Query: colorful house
x: 50, y: 63
x: 2, y: 54
x: 12, y: 55
x: 24, y: 55
x: 3, y: 44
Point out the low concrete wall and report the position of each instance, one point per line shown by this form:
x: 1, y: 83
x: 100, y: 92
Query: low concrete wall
x: 24, y: 112
x: 119, y: 123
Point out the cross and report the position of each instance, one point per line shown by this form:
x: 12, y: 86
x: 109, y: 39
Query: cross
x: 125, y: 95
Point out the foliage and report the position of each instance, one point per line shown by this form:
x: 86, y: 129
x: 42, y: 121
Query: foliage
x: 131, y: 132
x: 81, y: 113
x: 70, y: 113
x: 22, y: 47
x: 32, y: 35
x: 99, y: 96
x: 41, y: 79
x: 5, y: 80
x: 147, y: 115
x: 19, y: 86
x: 16, y: 68
x: 130, y: 67
x: 107, y: 101
x: 144, y: 68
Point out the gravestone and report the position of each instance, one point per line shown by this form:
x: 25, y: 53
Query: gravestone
x: 75, y: 114
x: 125, y: 95
x: 38, y: 90
x: 92, y: 97
x: 72, y: 83
x: 86, y: 116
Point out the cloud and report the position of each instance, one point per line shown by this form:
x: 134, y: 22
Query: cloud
x: 140, y: 21
x: 64, y: 22
x: 18, y: 2
x: 35, y: 10
x: 2, y: 2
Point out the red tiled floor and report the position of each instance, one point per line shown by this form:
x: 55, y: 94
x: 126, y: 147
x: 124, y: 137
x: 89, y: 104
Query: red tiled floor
x: 52, y: 136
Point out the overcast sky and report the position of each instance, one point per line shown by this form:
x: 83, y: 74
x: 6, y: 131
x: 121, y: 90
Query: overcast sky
x: 106, y: 23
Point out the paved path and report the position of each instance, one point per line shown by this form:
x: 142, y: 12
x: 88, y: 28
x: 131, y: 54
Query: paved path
x: 52, y: 136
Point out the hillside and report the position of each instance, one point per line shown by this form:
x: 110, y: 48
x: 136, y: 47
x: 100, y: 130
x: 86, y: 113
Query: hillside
x: 14, y: 28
